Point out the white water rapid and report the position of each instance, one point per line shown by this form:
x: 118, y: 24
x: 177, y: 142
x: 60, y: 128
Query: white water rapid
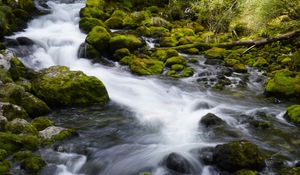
x: 174, y: 110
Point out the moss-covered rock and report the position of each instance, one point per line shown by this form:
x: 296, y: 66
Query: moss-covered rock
x: 284, y: 83
x: 145, y: 66
x: 211, y: 120
x: 260, y: 62
x: 5, y: 77
x: 152, y: 31
x: 293, y: 114
x: 3, y: 154
x: 181, y: 32
x: 157, y: 22
x: 58, y: 86
x: 29, y: 161
x: 93, y: 12
x: 18, y: 70
x: 114, y: 22
x: 52, y: 134
x: 290, y: 171
x: 240, y: 67
x: 95, y: 3
x: 177, y: 67
x: 175, y: 60
x: 5, y: 166
x: 245, y: 172
x: 87, y: 24
x: 16, y: 94
x: 121, y: 53
x: 99, y: 38
x: 131, y: 42
x: 41, y: 123
x: 164, y: 54
x: 215, y: 53
x: 11, y: 111
x: 168, y: 42
x: 237, y: 155
x: 20, y: 126
x: 12, y: 142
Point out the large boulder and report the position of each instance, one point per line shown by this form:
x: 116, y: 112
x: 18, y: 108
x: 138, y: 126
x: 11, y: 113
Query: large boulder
x: 215, y: 53
x: 99, y: 38
x: 58, y: 86
x: 143, y: 66
x: 284, y: 83
x: 237, y: 155
x: 87, y: 24
x: 293, y: 114
x: 210, y: 120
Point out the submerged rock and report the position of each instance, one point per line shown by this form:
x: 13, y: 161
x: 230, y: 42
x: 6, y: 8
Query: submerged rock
x: 58, y: 86
x: 293, y: 114
x: 237, y: 155
x: 178, y: 163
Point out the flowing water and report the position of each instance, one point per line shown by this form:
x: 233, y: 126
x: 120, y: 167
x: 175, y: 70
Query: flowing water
x: 147, y: 117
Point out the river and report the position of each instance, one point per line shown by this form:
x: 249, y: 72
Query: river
x: 147, y: 117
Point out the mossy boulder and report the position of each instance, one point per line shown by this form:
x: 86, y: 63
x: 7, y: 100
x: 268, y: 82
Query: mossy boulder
x: 20, y: 126
x: 240, y: 67
x: 58, y: 86
x: 131, y: 42
x: 12, y: 142
x: 41, y: 123
x: 17, y: 70
x: 284, y: 83
x: 93, y: 12
x: 238, y: 155
x: 11, y: 111
x: 29, y: 161
x: 164, y: 54
x: 181, y: 32
x: 5, y: 77
x: 157, y: 22
x: 99, y: 38
x: 139, y: 16
x: 290, y: 171
x: 16, y: 94
x: 175, y: 60
x: 152, y: 31
x: 52, y: 134
x: 260, y: 62
x: 87, y: 24
x: 293, y: 114
x: 121, y: 53
x: 177, y: 67
x: 168, y: 42
x: 211, y: 120
x: 186, y: 72
x: 114, y: 22
x: 143, y: 66
x: 95, y: 3
x: 5, y: 166
x: 215, y: 53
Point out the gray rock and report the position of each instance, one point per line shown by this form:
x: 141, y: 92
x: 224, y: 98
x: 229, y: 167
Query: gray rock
x: 51, y: 132
x: 5, y: 58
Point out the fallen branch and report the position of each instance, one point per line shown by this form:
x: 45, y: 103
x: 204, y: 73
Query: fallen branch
x: 252, y: 43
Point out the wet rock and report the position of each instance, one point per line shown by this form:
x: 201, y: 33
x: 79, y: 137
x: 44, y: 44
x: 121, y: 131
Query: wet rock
x: 205, y: 155
x: 214, y: 62
x: 215, y: 53
x: 58, y: 86
x: 260, y: 124
x: 41, y: 123
x: 210, y: 120
x: 290, y: 171
x: 55, y: 133
x: 24, y: 41
x: 293, y: 114
x: 245, y: 172
x: 237, y: 155
x: 29, y: 161
x: 5, y: 58
x: 131, y: 42
x: 178, y: 163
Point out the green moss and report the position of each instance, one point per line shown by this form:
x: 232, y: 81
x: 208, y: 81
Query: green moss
x: 293, y: 114
x: 63, y: 135
x: 140, y: 16
x: 114, y: 22
x: 95, y: 3
x: 286, y: 61
x: 119, y: 13
x: 17, y: 69
x: 93, y: 12
x: 11, y: 111
x: 19, y: 127
x: 284, y: 83
x: 5, y: 77
x: 237, y: 155
x: 12, y: 142
x: 41, y: 123
x: 164, y: 54
x: 99, y: 38
x: 168, y: 42
x: 58, y: 86
x: 245, y: 172
x: 181, y: 32
x: 157, y: 22
x: 260, y: 62
x: 239, y: 67
x: 152, y: 31
x: 3, y: 154
x: 177, y: 67
x: 17, y: 95
x: 187, y: 72
x: 127, y: 59
x: 29, y: 161
x: 131, y: 42
x: 215, y: 52
x: 146, y: 66
x: 87, y: 24
x: 175, y: 60
x: 5, y: 166
x: 121, y: 53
